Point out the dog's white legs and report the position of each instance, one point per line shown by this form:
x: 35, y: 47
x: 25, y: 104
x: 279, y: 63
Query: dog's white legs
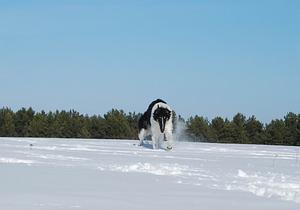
x: 169, y: 137
x: 142, y: 135
x: 155, y: 142
x: 169, y: 134
x: 155, y: 136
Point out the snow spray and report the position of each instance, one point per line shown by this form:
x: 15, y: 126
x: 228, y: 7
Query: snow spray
x: 180, y: 133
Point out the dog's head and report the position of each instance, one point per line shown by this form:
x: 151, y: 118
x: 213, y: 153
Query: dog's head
x: 162, y: 115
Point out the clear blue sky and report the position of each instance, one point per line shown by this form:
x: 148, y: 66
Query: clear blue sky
x: 211, y: 58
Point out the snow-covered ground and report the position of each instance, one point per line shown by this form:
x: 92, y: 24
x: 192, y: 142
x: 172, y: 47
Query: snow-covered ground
x: 117, y: 174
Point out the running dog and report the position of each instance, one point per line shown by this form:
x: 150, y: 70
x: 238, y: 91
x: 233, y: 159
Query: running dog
x: 157, y: 123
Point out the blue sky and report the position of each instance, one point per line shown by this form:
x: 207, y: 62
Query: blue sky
x: 211, y: 58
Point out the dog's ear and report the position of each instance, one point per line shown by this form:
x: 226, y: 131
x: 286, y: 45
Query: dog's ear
x: 169, y: 113
x: 155, y: 115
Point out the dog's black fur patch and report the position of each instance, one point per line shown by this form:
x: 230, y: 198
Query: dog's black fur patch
x: 161, y: 115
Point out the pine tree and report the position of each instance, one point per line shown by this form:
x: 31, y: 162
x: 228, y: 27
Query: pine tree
x: 291, y: 121
x: 276, y: 132
x: 22, y: 120
x: 254, y: 131
x: 117, y: 125
x: 96, y: 127
x: 38, y: 127
x: 217, y: 128
x: 228, y: 133
x: 132, y: 119
x: 198, y: 127
x: 7, y: 126
x: 77, y: 125
x: 238, y: 124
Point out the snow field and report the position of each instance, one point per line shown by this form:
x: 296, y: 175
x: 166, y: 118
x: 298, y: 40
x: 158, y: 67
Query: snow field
x: 111, y: 174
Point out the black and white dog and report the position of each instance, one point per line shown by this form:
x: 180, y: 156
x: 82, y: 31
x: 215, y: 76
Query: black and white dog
x: 157, y: 123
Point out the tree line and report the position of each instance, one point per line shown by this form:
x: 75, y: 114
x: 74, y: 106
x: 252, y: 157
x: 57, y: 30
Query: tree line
x: 116, y: 124
x: 246, y: 131
x: 67, y: 124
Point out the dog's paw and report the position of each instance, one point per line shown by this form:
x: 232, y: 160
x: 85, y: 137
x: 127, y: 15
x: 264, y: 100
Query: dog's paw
x: 169, y: 148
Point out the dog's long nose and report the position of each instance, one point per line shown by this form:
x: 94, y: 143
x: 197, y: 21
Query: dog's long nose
x: 162, y: 125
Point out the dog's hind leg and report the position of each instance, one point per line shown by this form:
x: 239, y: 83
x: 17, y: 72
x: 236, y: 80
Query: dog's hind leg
x: 142, y: 136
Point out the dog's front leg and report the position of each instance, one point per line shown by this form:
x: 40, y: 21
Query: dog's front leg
x: 169, y: 137
x: 154, y: 141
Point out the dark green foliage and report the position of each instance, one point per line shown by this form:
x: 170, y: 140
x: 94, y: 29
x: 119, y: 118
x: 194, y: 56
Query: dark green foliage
x: 7, y: 125
x: 22, y: 120
x: 38, y: 127
x: 228, y: 135
x: 255, y: 131
x: 222, y: 130
x: 239, y: 131
x: 198, y: 128
x: 250, y: 131
x: 292, y: 129
x: 217, y: 128
x: 276, y: 132
x: 96, y: 126
x: 132, y: 119
x: 71, y: 124
x: 118, y: 124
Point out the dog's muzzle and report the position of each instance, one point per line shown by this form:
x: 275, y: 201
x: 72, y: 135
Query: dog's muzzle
x: 162, y: 125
